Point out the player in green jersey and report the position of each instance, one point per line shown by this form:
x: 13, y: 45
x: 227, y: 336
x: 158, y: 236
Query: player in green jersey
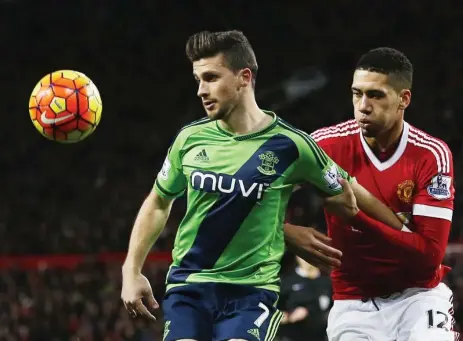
x: 238, y: 167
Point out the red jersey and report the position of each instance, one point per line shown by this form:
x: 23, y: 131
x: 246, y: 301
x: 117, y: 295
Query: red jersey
x: 416, y: 182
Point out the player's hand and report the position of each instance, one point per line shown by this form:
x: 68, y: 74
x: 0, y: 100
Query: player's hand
x: 298, y: 314
x: 312, y: 246
x: 136, y: 289
x: 343, y: 205
x: 285, y: 318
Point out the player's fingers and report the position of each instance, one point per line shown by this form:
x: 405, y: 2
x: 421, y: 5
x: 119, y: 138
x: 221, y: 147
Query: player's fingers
x: 332, y: 261
x: 345, y: 185
x: 143, y: 311
x: 152, y: 303
x: 325, y: 258
x: 323, y: 266
x: 130, y: 310
x: 327, y: 250
x: 320, y: 236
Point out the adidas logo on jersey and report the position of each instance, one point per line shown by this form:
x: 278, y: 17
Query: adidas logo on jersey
x: 202, y: 156
x: 254, y: 332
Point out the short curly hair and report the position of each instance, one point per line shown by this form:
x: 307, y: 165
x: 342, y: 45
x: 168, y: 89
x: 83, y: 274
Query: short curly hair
x: 390, y: 62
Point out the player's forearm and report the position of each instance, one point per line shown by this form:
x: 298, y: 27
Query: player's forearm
x: 149, y: 224
x: 374, y: 208
x: 428, y: 246
x: 297, y: 241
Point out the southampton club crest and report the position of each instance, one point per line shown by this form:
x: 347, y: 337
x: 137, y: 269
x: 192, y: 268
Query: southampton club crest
x: 269, y: 160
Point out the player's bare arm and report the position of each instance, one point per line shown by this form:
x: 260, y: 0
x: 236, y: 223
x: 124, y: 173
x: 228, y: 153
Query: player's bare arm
x: 312, y: 246
x: 356, y: 198
x: 149, y: 224
x: 365, y: 202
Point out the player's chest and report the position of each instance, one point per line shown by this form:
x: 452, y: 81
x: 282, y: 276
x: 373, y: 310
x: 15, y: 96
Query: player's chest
x: 228, y: 165
x: 394, y: 184
x: 267, y: 155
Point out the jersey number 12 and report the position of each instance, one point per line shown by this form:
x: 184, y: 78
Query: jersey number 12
x: 435, y: 316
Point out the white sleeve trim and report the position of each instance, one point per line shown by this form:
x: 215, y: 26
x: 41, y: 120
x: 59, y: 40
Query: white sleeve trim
x: 433, y: 211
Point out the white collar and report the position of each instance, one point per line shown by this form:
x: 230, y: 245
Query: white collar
x: 394, y: 158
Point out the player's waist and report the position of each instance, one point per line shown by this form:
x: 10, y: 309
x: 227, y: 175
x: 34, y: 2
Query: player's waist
x: 407, y: 292
x: 269, y: 287
x: 261, y: 277
x: 351, y: 286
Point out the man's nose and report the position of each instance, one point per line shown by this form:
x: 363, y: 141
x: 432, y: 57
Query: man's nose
x: 203, y: 90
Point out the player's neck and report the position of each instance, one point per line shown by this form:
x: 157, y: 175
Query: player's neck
x: 387, y: 140
x: 246, y: 118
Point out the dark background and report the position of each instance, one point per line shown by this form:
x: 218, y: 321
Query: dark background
x: 82, y: 198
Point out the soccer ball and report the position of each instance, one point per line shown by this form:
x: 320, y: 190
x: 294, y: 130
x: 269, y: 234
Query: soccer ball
x: 65, y: 106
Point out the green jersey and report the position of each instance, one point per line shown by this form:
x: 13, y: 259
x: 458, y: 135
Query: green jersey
x: 238, y: 187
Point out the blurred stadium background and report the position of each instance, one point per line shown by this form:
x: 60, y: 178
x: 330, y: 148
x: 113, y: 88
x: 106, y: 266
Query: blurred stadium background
x: 67, y: 210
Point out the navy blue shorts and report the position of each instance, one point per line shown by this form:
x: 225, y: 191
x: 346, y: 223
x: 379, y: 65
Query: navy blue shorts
x: 217, y: 312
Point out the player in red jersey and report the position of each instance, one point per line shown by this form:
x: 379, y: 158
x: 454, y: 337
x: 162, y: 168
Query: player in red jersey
x: 389, y: 284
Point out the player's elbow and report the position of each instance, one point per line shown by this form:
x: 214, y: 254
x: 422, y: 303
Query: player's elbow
x: 431, y: 241
x: 156, y: 201
x: 433, y: 255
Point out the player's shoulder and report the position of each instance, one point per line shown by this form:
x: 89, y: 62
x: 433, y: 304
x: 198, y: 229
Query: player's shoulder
x: 192, y: 128
x: 344, y: 131
x: 426, y: 142
x: 298, y: 136
x: 426, y: 147
x: 195, y: 126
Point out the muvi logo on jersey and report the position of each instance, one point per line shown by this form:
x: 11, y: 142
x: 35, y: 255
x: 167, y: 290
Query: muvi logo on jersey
x: 223, y: 183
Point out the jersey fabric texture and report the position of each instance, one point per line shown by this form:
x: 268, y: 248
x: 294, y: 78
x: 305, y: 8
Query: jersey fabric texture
x: 237, y: 189
x: 416, y: 182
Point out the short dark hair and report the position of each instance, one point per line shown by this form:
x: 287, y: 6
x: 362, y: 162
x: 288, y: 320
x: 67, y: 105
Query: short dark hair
x: 390, y: 62
x: 234, y: 46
